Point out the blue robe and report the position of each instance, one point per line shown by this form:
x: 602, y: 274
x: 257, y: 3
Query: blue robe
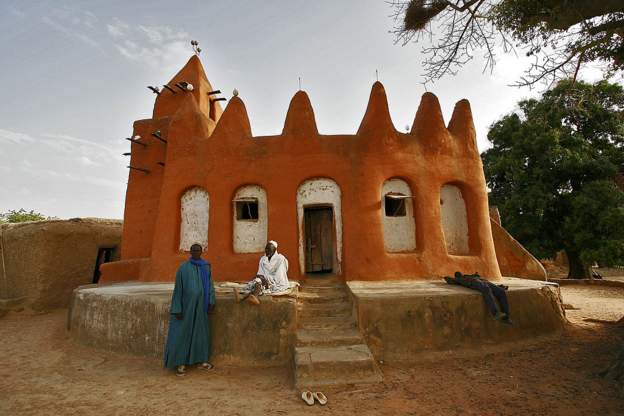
x: 188, y: 340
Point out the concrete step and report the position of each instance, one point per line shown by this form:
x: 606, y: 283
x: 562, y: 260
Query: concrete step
x: 329, y: 309
x: 323, y: 337
x: 323, y: 281
x: 329, y: 297
x: 324, y: 290
x: 325, y: 366
x: 328, y: 323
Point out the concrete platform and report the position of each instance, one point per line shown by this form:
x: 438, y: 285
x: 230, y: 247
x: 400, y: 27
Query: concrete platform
x: 397, y: 320
x: 400, y: 319
x: 134, y: 318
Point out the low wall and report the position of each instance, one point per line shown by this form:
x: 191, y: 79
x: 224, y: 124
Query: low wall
x: 400, y: 319
x: 134, y: 318
x: 42, y: 262
x: 513, y: 259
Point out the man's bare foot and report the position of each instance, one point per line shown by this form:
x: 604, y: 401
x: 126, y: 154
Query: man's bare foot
x: 253, y: 299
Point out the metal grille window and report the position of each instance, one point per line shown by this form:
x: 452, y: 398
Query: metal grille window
x: 247, y: 209
x: 395, y: 204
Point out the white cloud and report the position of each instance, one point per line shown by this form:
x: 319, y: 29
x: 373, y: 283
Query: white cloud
x: 117, y: 28
x: 14, y: 137
x: 161, y: 47
x: 60, y: 138
x: 86, y: 161
x: 73, y: 23
x: 68, y: 31
x: 158, y: 34
x: 45, y: 174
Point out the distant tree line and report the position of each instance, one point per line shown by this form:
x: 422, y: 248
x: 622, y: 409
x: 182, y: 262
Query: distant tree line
x: 21, y: 215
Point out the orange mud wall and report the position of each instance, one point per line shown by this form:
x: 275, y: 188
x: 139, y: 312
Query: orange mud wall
x: 216, y: 151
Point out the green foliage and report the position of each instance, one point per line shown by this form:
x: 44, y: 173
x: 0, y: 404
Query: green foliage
x: 21, y: 215
x: 551, y: 172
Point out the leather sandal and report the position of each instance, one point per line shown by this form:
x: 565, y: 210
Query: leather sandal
x: 307, y: 397
x: 320, y: 397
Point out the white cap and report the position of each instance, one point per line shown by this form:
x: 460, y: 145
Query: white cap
x: 273, y: 243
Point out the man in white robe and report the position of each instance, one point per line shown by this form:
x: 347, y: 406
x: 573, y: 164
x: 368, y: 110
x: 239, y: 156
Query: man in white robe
x: 274, y: 267
x: 271, y: 278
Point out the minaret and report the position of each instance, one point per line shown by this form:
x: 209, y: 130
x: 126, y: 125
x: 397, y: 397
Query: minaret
x: 190, y: 80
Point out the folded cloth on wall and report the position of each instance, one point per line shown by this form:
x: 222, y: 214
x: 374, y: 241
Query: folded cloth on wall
x: 243, y: 288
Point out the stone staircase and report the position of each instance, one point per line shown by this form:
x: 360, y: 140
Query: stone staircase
x: 329, y: 350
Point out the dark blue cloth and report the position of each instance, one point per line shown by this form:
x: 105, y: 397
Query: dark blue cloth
x: 204, y: 271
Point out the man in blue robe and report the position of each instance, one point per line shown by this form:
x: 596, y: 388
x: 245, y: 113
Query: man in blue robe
x: 188, y: 340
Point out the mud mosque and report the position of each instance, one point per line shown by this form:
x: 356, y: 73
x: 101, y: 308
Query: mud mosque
x: 376, y: 205
x: 370, y: 223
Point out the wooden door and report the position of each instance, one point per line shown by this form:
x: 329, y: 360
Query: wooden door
x: 319, y: 239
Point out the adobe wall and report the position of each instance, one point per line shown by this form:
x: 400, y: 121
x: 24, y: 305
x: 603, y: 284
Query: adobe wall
x: 43, y: 261
x: 399, y: 320
x: 134, y: 318
x: 221, y: 155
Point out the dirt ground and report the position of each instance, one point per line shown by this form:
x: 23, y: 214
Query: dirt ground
x: 42, y: 372
x: 558, y: 271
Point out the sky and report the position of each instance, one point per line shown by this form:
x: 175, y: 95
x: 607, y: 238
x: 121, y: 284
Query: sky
x: 74, y: 77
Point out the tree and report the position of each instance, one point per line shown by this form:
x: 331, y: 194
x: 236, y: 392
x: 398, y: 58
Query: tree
x: 551, y: 171
x: 561, y: 35
x: 21, y: 215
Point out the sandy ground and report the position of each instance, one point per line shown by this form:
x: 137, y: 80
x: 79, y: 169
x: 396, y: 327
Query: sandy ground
x: 42, y: 372
x: 556, y: 271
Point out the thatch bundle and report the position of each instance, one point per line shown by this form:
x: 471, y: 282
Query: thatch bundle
x: 420, y: 12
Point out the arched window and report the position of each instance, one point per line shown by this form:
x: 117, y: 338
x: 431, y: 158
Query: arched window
x: 399, y: 228
x: 194, y: 221
x: 319, y: 213
x: 250, y: 219
x: 454, y: 220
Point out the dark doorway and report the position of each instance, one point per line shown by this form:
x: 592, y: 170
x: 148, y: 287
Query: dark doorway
x: 319, y: 239
x: 104, y: 255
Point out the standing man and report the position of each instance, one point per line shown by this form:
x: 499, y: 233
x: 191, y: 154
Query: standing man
x: 188, y: 340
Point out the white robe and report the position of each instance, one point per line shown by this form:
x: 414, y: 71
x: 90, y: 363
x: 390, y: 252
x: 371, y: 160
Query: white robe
x: 275, y: 272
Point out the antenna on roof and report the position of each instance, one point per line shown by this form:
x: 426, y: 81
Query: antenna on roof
x: 299, y: 83
x: 377, y: 74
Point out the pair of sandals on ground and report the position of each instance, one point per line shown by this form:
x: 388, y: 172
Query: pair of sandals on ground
x: 181, y: 369
x: 310, y: 397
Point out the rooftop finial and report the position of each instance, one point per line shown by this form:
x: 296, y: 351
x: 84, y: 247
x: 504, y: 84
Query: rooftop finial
x: 196, y: 48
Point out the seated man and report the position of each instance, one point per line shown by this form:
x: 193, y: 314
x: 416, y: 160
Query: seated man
x: 270, y: 278
x: 488, y: 290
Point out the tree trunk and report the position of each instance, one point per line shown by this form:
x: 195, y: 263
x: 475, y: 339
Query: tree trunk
x: 576, y: 268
